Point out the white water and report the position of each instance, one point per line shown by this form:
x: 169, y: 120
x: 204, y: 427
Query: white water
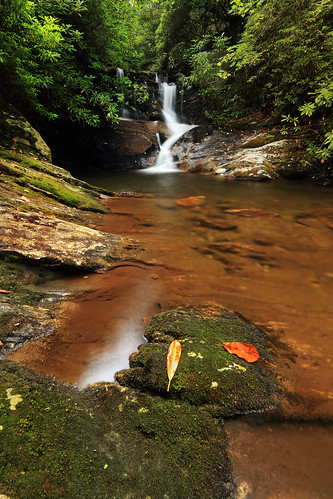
x: 125, y: 113
x: 164, y: 162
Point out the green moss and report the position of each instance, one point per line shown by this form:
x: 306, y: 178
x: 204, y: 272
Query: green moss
x: 105, y: 441
x: 207, y: 373
x: 26, y: 161
x: 35, y: 174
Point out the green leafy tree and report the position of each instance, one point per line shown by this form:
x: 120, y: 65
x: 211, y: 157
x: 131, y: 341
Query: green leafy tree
x: 61, y: 55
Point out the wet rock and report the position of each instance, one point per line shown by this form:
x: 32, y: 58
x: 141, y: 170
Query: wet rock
x: 239, y: 155
x: 258, y: 140
x: 20, y: 322
x: 247, y: 212
x: 206, y: 374
x: 45, y: 239
x: 130, y: 144
x: 134, y: 445
x: 17, y: 133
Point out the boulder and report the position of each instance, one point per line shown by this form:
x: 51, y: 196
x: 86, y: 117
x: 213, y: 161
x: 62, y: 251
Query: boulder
x: 261, y: 163
x: 16, y: 133
x: 129, y: 144
x: 51, y: 241
x: 207, y: 373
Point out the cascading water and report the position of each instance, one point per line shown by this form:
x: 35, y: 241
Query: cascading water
x: 125, y: 114
x: 164, y: 162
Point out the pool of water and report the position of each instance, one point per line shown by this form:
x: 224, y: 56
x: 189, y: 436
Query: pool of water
x: 263, y: 250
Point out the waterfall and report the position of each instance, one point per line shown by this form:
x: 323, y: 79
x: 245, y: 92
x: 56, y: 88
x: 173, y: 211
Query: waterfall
x: 164, y: 162
x: 125, y: 114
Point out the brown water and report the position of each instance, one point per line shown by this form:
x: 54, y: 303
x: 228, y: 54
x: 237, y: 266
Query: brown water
x: 262, y: 250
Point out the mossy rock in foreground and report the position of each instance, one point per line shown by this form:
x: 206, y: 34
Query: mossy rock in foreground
x: 107, y: 441
x: 207, y: 373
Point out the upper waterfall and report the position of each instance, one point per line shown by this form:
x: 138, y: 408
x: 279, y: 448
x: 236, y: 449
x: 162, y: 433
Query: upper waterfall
x: 164, y: 162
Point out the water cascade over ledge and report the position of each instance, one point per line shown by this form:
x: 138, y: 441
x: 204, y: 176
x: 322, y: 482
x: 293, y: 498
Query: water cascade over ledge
x: 164, y: 162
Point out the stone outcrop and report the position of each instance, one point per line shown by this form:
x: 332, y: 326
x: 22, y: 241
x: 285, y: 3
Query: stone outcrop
x: 129, y: 144
x: 47, y: 240
x: 17, y: 133
x: 242, y: 156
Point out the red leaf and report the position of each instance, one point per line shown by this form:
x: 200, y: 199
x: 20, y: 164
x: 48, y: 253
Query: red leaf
x: 4, y: 291
x: 243, y: 350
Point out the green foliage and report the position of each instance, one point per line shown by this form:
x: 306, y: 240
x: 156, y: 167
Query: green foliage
x: 60, y: 55
x: 284, y: 56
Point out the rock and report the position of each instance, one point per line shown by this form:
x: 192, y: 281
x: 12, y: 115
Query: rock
x: 48, y: 240
x: 248, y: 212
x: 16, y: 133
x: 134, y: 445
x: 206, y: 374
x: 258, y: 140
x: 191, y: 201
x: 130, y: 144
x: 238, y: 155
x: 213, y: 224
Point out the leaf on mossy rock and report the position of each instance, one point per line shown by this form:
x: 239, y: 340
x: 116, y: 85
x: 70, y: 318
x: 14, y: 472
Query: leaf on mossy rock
x: 243, y: 350
x: 173, y: 357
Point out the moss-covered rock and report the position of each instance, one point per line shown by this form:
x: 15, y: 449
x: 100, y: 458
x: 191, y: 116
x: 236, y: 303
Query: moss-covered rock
x: 107, y: 441
x: 207, y: 373
x: 49, y: 180
x: 17, y: 133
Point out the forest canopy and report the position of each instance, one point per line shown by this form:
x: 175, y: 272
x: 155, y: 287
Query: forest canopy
x: 61, y: 56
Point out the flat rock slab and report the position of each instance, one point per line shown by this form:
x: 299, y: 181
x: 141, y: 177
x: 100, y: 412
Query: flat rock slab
x: 207, y: 373
x: 48, y: 240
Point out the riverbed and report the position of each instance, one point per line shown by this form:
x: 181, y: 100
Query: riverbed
x: 263, y: 250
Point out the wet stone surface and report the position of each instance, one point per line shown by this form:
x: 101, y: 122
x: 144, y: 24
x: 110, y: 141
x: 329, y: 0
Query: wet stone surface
x: 207, y: 373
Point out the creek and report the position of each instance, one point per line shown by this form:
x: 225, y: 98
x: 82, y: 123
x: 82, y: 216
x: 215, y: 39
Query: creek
x: 263, y: 250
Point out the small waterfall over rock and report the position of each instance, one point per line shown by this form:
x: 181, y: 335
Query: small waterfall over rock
x: 164, y: 162
x: 125, y: 113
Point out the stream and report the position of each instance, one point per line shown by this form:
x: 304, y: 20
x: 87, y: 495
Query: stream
x: 273, y: 266
x: 263, y: 250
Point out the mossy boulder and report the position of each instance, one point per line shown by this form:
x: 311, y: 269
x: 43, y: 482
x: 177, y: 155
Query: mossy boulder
x: 18, y: 134
x: 207, y: 373
x: 107, y: 441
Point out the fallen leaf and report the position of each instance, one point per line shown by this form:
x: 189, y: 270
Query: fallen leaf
x: 173, y: 357
x: 4, y: 291
x: 191, y: 201
x: 243, y: 350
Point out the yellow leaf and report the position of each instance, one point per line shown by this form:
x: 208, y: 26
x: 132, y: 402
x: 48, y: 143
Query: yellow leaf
x: 173, y: 358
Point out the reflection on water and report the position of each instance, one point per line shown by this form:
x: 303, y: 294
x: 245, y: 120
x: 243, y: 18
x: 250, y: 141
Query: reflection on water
x: 126, y: 333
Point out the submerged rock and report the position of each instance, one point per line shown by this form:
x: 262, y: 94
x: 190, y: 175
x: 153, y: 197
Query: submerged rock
x: 207, y: 373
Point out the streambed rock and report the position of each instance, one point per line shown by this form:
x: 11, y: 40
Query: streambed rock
x: 243, y: 156
x: 48, y: 240
x: 207, y: 373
